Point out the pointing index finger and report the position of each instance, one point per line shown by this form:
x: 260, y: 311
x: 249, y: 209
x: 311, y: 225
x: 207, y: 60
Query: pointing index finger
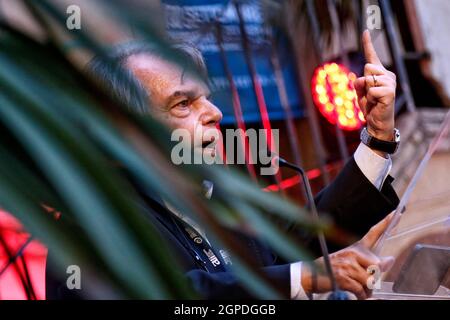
x: 369, y: 51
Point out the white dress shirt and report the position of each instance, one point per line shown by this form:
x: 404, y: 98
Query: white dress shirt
x: 376, y: 169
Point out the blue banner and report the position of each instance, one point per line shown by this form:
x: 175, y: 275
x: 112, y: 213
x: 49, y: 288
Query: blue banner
x: 195, y: 21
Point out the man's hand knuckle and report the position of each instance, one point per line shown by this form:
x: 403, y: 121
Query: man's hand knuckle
x: 353, y: 253
x: 340, y: 273
x: 347, y: 267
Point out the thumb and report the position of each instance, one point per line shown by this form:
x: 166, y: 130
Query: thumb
x: 360, y: 86
x: 376, y: 231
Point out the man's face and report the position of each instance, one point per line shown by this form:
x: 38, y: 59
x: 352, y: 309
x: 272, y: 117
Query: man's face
x: 177, y: 99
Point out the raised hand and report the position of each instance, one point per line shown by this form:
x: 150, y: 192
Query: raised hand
x: 376, y: 93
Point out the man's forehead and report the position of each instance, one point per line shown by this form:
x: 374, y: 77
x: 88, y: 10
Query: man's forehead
x: 160, y: 75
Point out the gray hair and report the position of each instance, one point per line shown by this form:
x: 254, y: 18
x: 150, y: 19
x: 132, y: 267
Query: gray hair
x: 112, y: 73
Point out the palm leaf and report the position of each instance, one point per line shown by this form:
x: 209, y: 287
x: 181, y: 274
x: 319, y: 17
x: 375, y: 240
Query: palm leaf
x: 60, y: 118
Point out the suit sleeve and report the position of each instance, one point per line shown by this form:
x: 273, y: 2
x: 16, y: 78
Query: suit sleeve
x: 225, y: 285
x: 351, y: 199
x: 354, y: 203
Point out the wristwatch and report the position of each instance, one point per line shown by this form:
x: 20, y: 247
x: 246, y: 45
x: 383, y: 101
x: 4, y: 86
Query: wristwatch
x: 389, y: 147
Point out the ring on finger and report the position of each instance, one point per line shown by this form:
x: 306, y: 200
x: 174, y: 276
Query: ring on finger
x: 375, y: 82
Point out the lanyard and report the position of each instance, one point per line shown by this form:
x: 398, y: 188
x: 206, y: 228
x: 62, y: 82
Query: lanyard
x: 197, y: 246
x: 203, y: 252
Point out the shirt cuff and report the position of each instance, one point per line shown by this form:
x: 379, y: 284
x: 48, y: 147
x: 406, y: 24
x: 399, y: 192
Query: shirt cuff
x: 375, y: 167
x: 297, y: 291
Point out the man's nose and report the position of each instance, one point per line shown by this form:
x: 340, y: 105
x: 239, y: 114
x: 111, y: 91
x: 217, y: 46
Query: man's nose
x: 211, y: 115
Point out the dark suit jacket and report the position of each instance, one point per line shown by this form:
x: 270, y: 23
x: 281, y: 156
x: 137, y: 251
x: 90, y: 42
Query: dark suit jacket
x: 353, y: 201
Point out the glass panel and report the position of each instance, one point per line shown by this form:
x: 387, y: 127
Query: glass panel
x: 425, y: 221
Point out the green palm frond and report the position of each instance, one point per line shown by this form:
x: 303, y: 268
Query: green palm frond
x: 63, y: 136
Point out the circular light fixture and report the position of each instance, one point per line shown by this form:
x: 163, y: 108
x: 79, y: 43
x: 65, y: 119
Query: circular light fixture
x: 335, y: 96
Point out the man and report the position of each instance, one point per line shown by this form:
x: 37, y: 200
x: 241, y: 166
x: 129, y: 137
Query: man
x: 359, y: 197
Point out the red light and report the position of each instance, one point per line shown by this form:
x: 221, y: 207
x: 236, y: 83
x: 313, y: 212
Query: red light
x: 335, y: 96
